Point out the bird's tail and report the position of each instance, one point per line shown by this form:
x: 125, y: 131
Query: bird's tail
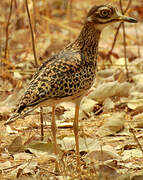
x: 13, y: 118
x: 22, y: 114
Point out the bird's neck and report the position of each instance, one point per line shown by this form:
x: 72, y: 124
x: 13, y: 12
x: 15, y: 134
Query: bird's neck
x: 87, y: 41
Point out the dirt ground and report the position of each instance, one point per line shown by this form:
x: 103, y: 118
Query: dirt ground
x: 111, y: 114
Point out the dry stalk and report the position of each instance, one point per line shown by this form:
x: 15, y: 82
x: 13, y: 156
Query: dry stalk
x: 124, y: 36
x: 65, y: 3
x: 41, y: 123
x: 36, y: 62
x: 69, y: 14
x: 32, y: 34
x: 117, y: 32
x: 7, y: 30
x: 45, y: 169
x: 125, y: 51
x: 136, y: 139
x: 114, y: 42
x: 15, y: 4
x: 11, y: 167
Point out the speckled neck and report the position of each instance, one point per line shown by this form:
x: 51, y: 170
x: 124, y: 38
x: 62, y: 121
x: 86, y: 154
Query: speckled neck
x: 87, y: 41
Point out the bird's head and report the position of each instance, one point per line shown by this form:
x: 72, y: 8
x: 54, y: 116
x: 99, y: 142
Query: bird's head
x: 104, y: 15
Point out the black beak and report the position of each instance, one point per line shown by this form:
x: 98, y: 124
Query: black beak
x: 127, y: 19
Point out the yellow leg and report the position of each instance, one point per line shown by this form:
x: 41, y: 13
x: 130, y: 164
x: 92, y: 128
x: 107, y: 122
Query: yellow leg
x: 75, y: 126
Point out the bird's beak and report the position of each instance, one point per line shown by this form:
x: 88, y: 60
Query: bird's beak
x: 123, y: 18
x: 127, y: 19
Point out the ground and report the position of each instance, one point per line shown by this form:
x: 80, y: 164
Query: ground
x: 111, y: 114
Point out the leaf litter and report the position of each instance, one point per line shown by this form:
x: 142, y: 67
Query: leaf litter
x: 108, y: 112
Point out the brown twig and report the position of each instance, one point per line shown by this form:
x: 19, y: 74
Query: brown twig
x: 114, y: 42
x: 15, y: 4
x: 11, y: 167
x: 32, y: 34
x: 69, y: 14
x: 65, y: 3
x: 128, y: 6
x: 124, y: 37
x: 136, y: 139
x: 42, y: 127
x: 54, y: 173
x: 117, y: 31
x: 7, y: 29
x: 125, y: 51
x: 36, y: 62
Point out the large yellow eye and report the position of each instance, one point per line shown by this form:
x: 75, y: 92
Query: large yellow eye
x: 105, y: 13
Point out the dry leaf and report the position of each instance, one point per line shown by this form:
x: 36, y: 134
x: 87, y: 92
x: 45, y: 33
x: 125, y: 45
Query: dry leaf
x: 42, y: 149
x: 125, y: 176
x: 107, y: 173
x: 110, y: 89
x: 68, y: 143
x: 102, y: 153
x: 26, y: 168
x: 16, y: 145
x: 9, y: 103
x: 138, y: 119
x: 10, y: 131
x: 105, y: 73
x: 135, y: 103
x: 22, y: 155
x: 41, y: 146
x: 65, y: 124
x: 112, y: 124
x: 137, y: 177
x: 5, y: 164
x: 88, y: 105
x: 132, y: 153
x: 108, y: 104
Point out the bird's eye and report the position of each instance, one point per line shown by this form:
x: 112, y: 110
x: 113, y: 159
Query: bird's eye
x: 105, y: 13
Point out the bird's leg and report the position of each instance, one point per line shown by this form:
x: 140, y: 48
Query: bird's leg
x: 75, y: 126
x: 54, y: 129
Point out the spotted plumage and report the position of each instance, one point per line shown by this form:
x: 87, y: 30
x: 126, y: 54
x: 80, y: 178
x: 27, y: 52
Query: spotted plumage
x: 64, y: 76
x: 68, y: 75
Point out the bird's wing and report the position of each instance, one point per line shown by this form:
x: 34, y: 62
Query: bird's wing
x: 50, y: 80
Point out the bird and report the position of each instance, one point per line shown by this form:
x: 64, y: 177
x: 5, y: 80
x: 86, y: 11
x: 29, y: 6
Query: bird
x: 69, y: 74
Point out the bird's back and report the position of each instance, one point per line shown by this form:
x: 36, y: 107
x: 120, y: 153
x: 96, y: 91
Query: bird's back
x: 64, y: 75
